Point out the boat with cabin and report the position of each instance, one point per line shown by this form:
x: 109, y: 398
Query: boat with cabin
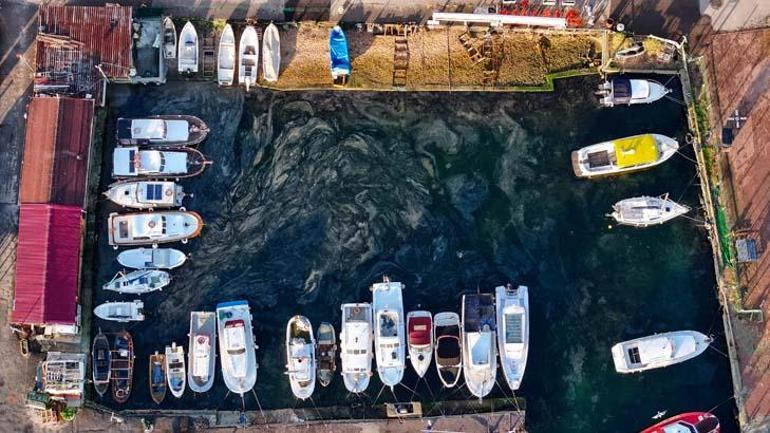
x: 169, y: 38
x: 248, y: 57
x: 168, y: 163
x: 300, y: 357
x: 187, y: 61
x: 226, y: 57
x: 122, y: 367
x: 121, y: 311
x: 236, y: 346
x: 146, y: 194
x: 389, y: 344
x: 201, y: 358
x: 138, y: 282
x: 647, y: 211
x: 175, y: 370
x: 512, y: 304
x: 271, y: 53
x: 419, y: 330
x: 690, y: 422
x: 157, y: 375
x: 659, y: 350
x: 100, y: 363
x: 153, y: 228
x: 340, y: 59
x: 448, y: 347
x: 623, y: 155
x: 165, y: 130
x: 152, y: 258
x: 478, y: 343
x: 356, y: 346
x: 625, y: 91
x: 326, y: 353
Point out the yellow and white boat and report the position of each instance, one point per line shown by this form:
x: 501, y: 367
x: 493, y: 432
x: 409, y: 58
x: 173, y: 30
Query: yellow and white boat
x: 623, y: 155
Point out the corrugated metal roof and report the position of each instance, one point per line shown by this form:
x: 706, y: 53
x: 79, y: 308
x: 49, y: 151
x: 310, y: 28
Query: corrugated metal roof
x: 47, y: 264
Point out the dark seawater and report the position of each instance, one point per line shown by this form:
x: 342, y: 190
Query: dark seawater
x: 315, y: 196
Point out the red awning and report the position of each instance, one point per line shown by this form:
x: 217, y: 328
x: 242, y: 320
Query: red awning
x: 47, y: 264
x: 419, y: 330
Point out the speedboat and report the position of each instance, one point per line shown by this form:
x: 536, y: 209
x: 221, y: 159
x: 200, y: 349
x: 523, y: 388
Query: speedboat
x: 271, y: 53
x: 152, y: 258
x: 248, y: 57
x: 202, y: 355
x: 121, y: 311
x: 389, y: 342
x: 448, y: 347
x: 419, y: 328
x: 338, y: 52
x: 169, y: 38
x: 356, y: 346
x: 624, y: 91
x: 157, y: 376
x: 122, y: 367
x: 513, y: 332
x: 146, y: 194
x: 175, y: 371
x: 226, y: 57
x: 100, y: 361
x: 138, y: 282
x: 659, y: 350
x: 691, y: 422
x: 300, y: 356
x: 623, y: 155
x: 326, y: 353
x: 188, y: 49
x: 478, y: 336
x: 153, y: 228
x: 236, y: 346
x: 647, y: 211
x: 177, y: 163
x: 166, y: 130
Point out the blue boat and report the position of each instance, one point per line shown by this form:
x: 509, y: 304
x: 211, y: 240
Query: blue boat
x: 338, y: 48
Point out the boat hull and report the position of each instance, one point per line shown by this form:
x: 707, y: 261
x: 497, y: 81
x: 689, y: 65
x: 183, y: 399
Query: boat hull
x: 356, y: 336
x: 610, y: 97
x: 152, y: 258
x: 388, y: 307
x: 129, y: 229
x: 120, y: 311
x: 248, y: 57
x: 226, y: 57
x: 701, y: 422
x: 478, y: 337
x: 513, y: 356
x: 187, y: 57
x: 326, y: 353
x: 271, y: 53
x: 646, y: 211
x: 134, y: 194
x: 667, y: 147
x: 447, y: 348
x: 139, y: 282
x: 237, y: 382
x: 169, y: 38
x: 122, y: 367
x: 196, y: 130
x: 202, y: 323
x: 419, y: 325
x: 187, y: 162
x: 157, y: 377
x: 176, y: 374
x: 101, y: 363
x: 300, y: 357
x: 680, y: 346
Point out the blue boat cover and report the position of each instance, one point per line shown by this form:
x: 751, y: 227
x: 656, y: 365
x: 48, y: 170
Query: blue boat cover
x: 338, y: 48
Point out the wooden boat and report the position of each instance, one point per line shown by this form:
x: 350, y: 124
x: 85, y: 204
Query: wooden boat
x: 635, y: 50
x: 478, y: 342
x: 175, y: 372
x: 122, y: 367
x: 356, y: 346
x: 513, y: 332
x: 153, y: 228
x: 188, y: 49
x: 389, y: 344
x: 100, y: 363
x: 165, y: 130
x: 121, y: 311
x: 300, y: 357
x: 169, y: 38
x: 157, y: 375
x: 152, y: 258
x: 226, y: 57
x: 448, y: 347
x: 236, y: 346
x: 647, y: 211
x: 623, y: 155
x: 248, y: 56
x: 146, y: 194
x: 168, y: 163
x: 138, y: 282
x: 271, y: 53
x: 338, y: 51
x: 691, y: 422
x: 657, y: 351
x: 624, y: 91
x: 201, y: 358
x: 419, y: 329
x: 326, y: 353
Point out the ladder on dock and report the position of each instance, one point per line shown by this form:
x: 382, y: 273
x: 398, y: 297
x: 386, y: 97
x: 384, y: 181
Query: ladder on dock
x: 401, y: 58
x: 209, y: 57
x: 473, y: 53
x: 492, y: 59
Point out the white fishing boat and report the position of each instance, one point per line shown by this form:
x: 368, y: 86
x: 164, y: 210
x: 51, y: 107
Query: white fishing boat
x: 419, y: 329
x: 624, y: 91
x: 165, y: 130
x: 188, y: 49
x: 121, y: 311
x: 448, y: 347
x: 169, y: 38
x: 152, y: 258
x: 659, y: 350
x: 202, y: 356
x: 138, y: 282
x: 132, y: 162
x: 389, y: 344
x: 271, y: 53
x: 647, y: 211
x: 248, y: 56
x: 513, y: 332
x: 153, y: 228
x: 356, y: 346
x: 236, y: 346
x: 623, y: 155
x: 226, y: 57
x: 326, y: 353
x: 300, y: 357
x: 478, y: 341
x: 175, y: 371
x: 146, y: 194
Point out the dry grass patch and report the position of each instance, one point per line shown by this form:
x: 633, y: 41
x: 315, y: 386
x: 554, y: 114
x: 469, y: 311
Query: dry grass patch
x: 563, y: 53
x: 371, y: 60
x: 522, y: 62
x: 428, y: 60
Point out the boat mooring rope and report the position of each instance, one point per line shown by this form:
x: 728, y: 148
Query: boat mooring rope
x: 323, y: 421
x: 259, y: 406
x: 378, y: 395
x: 720, y: 404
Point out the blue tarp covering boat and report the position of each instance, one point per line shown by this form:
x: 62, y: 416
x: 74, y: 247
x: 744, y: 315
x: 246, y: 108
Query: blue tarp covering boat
x: 338, y: 48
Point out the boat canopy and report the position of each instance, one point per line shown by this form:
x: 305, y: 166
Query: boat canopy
x: 652, y: 350
x: 300, y: 362
x: 357, y: 346
x: 419, y: 331
x: 481, y: 348
x: 338, y: 48
x: 513, y: 316
x: 479, y: 312
x: 235, y: 342
x: 637, y: 150
x: 201, y: 354
x: 640, y: 89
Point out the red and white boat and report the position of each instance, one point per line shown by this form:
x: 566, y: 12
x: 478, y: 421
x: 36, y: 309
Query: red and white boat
x: 419, y: 325
x: 691, y: 422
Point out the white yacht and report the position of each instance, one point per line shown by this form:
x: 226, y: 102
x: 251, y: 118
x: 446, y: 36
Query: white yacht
x: 226, y: 57
x: 175, y: 370
x: 300, y: 357
x: 623, y: 155
x: 389, y: 344
x: 152, y: 258
x: 165, y: 130
x: 448, y: 347
x: 132, y: 163
x: 201, y: 358
x: 153, y: 228
x: 236, y: 346
x: 419, y: 329
x: 146, y: 194
x: 659, y: 350
x: 647, y: 211
x: 187, y: 59
x: 356, y: 346
x: 138, y: 282
x: 478, y: 340
x: 121, y: 311
x: 513, y: 332
x: 624, y: 91
x: 248, y: 57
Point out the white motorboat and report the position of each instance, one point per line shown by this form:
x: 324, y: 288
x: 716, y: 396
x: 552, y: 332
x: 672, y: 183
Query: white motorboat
x: 121, y: 311
x: 356, y: 346
x: 188, y: 49
x: 448, y: 347
x: 165, y: 130
x: 175, y: 371
x: 623, y: 155
x: 201, y: 358
x: 236, y: 346
x: 478, y: 340
x: 647, y: 211
x: 138, y: 282
x: 226, y: 57
x: 300, y: 357
x: 513, y: 332
x: 419, y: 329
x: 659, y: 350
x: 624, y: 91
x: 146, y: 194
x: 326, y: 353
x: 132, y: 162
x: 169, y: 38
x: 271, y: 53
x: 389, y: 344
x: 152, y: 258
x: 248, y: 56
x: 153, y: 228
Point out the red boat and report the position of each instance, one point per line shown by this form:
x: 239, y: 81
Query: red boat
x: 691, y: 422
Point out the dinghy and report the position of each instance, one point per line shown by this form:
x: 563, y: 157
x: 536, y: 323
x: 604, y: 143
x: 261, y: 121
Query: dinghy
x: 657, y: 351
x: 169, y: 38
x: 122, y: 367
x: 691, y: 422
x: 448, y: 347
x: 326, y: 353
x: 389, y: 342
x: 635, y: 50
x: 188, y: 49
x: 146, y: 194
x: 175, y: 371
x: 338, y: 51
x: 300, y: 357
x: 356, y: 346
x: 248, y: 57
x: 157, y: 376
x: 236, y: 346
x: 513, y: 332
x: 152, y: 258
x: 647, y: 211
x: 177, y: 163
x: 153, y: 228
x: 271, y: 53
x: 623, y: 155
x: 419, y: 328
x: 226, y: 57
x: 478, y: 341
x: 624, y: 91
x: 166, y: 130
x: 138, y: 282
x: 121, y: 311
x: 202, y: 358
x: 100, y: 362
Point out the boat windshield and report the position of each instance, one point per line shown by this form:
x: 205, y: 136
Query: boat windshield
x: 679, y: 427
x: 388, y: 324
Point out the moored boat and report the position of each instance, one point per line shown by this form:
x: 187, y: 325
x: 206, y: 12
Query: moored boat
x: 300, y: 357
x: 165, y: 130
x: 100, y: 363
x: 624, y: 91
x: 271, y: 53
x: 448, y: 347
x: 236, y: 346
x: 326, y: 353
x: 512, y: 304
x: 157, y: 375
x: 356, y: 346
x: 647, y: 211
x: 169, y: 38
x: 478, y: 343
x: 248, y: 57
x: 146, y: 194
x: 176, y: 163
x: 338, y: 51
x: 201, y: 358
x: 153, y: 228
x: 691, y: 422
x: 138, y: 282
x: 389, y: 344
x: 121, y: 311
x: 187, y: 61
x: 419, y: 328
x: 122, y: 367
x: 175, y: 370
x: 152, y: 258
x: 623, y: 155
x: 226, y: 57
x: 659, y: 350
